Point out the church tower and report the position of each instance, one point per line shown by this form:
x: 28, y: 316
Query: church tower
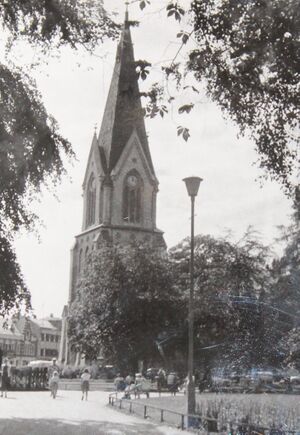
x: 120, y: 185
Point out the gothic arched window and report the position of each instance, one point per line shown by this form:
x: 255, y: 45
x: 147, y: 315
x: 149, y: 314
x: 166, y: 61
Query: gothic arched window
x: 132, y: 200
x: 86, y: 254
x: 91, y: 201
x: 80, y: 261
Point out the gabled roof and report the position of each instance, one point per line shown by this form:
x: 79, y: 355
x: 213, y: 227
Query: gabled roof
x: 123, y: 111
x: 42, y: 323
x: 9, y: 330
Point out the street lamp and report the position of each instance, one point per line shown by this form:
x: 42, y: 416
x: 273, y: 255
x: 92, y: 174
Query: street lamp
x: 192, y: 185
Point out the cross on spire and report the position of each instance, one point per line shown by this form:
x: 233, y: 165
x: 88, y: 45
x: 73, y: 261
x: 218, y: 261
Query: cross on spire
x: 126, y: 10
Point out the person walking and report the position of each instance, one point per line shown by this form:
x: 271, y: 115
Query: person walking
x: 172, y: 383
x: 119, y: 383
x: 141, y: 385
x: 161, y: 379
x: 5, y: 375
x: 129, y: 379
x: 53, y: 368
x: 85, y: 383
x: 53, y: 384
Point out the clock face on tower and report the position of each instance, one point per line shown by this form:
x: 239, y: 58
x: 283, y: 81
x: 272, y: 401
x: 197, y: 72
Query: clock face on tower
x: 132, y: 180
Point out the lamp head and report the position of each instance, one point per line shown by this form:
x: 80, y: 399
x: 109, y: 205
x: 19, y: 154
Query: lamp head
x: 192, y: 185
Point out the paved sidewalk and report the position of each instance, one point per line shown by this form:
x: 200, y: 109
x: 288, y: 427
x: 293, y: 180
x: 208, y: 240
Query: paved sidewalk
x: 36, y: 413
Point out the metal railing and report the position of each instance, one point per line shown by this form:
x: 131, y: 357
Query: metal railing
x: 202, y: 422
x: 178, y: 419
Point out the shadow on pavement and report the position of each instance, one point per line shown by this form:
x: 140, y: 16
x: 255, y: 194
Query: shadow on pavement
x: 31, y: 426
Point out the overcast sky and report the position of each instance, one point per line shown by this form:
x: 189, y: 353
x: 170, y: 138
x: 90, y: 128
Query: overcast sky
x: 74, y: 89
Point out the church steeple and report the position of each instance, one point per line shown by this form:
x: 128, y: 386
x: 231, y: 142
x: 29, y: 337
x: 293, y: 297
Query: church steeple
x: 120, y: 186
x: 123, y: 111
x: 126, y: 12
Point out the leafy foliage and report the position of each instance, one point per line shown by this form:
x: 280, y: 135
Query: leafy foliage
x: 13, y: 292
x: 31, y: 147
x: 134, y: 306
x: 286, y: 270
x: 57, y: 22
x: 124, y: 302
x: 233, y: 319
x: 143, y: 3
x: 175, y: 10
x: 248, y: 54
x: 142, y: 68
x: 155, y: 103
x: 184, y: 132
x: 291, y: 345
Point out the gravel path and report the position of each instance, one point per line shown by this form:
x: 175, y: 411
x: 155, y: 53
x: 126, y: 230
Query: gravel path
x: 35, y: 413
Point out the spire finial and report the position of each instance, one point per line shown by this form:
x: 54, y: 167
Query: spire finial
x: 126, y: 10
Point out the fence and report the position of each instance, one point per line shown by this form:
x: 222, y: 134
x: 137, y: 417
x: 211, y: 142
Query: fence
x: 28, y: 378
x: 163, y: 415
x: 198, y: 423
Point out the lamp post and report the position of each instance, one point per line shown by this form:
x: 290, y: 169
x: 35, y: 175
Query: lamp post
x: 192, y: 185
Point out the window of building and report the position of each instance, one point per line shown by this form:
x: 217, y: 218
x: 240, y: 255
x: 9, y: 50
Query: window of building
x: 91, y: 201
x: 43, y: 337
x: 42, y: 352
x: 132, y: 212
x: 80, y: 260
x: 86, y: 254
x: 51, y: 352
x: 47, y: 337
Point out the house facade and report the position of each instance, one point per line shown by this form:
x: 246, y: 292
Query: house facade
x: 19, y: 346
x: 24, y: 339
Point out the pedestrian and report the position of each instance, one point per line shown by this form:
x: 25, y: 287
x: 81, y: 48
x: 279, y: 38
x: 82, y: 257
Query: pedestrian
x: 172, y: 383
x: 85, y: 383
x: 161, y: 379
x: 129, y: 379
x: 53, y: 384
x: 119, y: 383
x: 5, y: 378
x: 53, y: 368
x: 141, y: 385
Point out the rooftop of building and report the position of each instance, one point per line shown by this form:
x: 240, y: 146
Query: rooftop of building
x: 9, y: 330
x: 123, y: 112
x: 43, y: 323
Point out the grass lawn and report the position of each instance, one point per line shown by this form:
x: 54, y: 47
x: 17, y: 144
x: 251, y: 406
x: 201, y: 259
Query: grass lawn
x: 266, y: 410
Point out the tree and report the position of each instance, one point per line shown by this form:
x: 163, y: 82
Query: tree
x: 247, y: 55
x: 124, y: 302
x: 291, y: 348
x: 286, y: 286
x: 31, y: 148
x: 233, y: 324
x: 286, y: 270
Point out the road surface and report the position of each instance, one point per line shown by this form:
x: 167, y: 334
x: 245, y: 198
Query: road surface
x: 36, y: 413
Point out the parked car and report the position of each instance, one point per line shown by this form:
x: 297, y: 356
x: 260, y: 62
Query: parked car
x: 260, y: 375
x: 151, y: 373
x: 295, y: 380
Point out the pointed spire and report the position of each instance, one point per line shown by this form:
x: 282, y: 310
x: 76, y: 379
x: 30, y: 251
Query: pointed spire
x: 123, y: 111
x: 95, y: 131
x: 126, y: 12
